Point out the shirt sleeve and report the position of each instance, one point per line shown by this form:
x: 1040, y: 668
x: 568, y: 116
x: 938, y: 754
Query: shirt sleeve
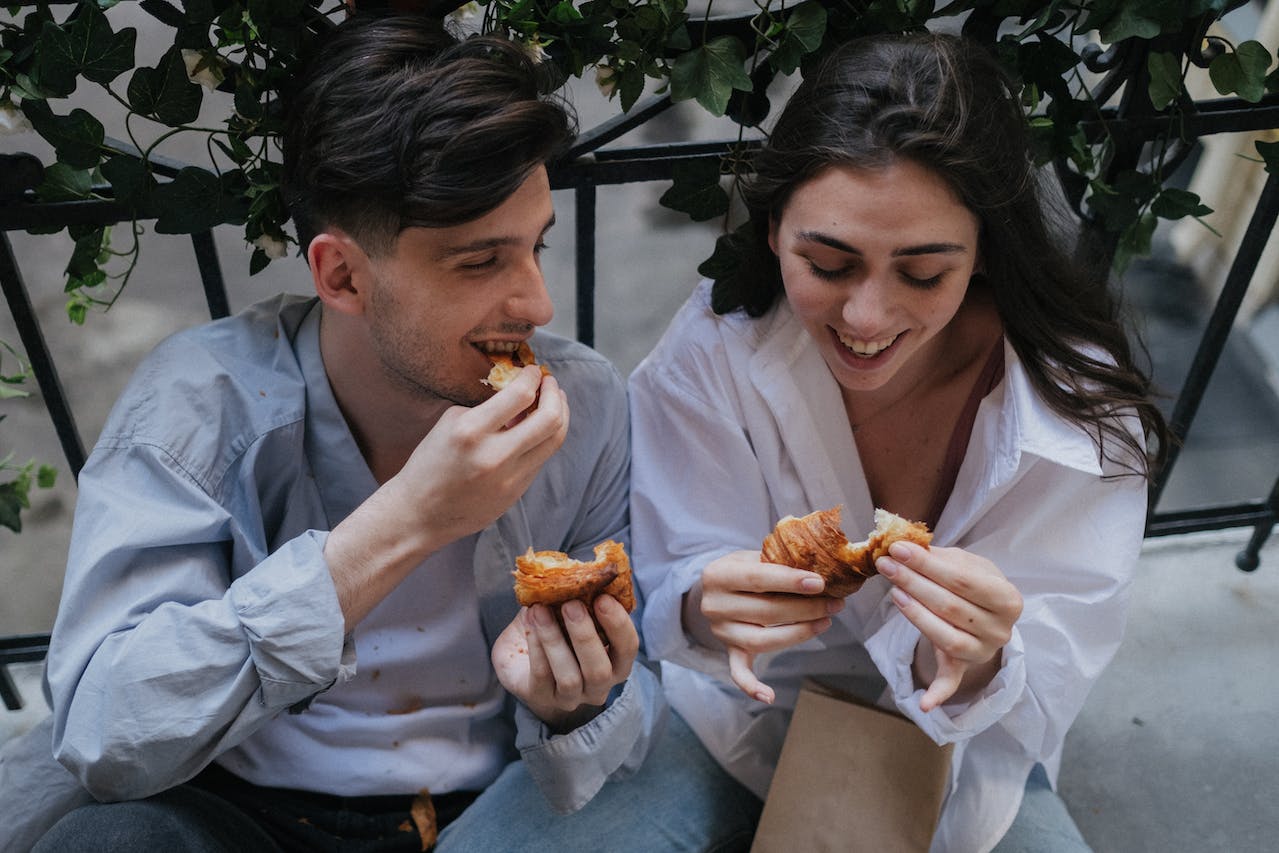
x: 1068, y: 540
x: 692, y: 500
x: 160, y: 658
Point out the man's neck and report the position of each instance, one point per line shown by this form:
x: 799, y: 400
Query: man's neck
x: 387, y: 420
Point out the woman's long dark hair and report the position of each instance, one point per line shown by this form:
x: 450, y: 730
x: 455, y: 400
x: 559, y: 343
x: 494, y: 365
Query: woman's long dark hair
x: 945, y: 104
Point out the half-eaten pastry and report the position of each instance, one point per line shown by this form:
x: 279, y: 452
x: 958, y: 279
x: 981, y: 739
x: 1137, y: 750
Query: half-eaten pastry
x: 507, y: 366
x: 552, y: 577
x: 816, y: 543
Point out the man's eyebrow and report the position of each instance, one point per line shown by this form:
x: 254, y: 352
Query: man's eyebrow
x: 905, y: 251
x: 489, y: 243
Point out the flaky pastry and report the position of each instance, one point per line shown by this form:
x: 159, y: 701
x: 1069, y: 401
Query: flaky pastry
x: 507, y: 365
x: 552, y: 577
x: 815, y: 542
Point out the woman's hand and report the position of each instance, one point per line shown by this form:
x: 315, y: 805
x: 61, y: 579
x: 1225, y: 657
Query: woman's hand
x: 965, y: 609
x: 753, y: 607
x: 564, y: 675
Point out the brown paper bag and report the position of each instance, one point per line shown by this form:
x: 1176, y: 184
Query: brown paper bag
x: 852, y: 777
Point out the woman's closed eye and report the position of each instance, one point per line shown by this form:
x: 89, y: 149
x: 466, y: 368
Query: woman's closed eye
x: 922, y: 282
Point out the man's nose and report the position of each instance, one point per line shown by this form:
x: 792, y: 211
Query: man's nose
x: 530, y: 302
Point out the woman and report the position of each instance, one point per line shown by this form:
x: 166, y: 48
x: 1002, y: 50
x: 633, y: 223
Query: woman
x: 902, y: 332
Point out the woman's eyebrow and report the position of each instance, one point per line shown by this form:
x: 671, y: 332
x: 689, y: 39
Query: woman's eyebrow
x: 905, y: 251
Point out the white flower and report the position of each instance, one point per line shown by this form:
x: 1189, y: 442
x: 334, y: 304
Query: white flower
x: 211, y: 75
x: 536, y: 50
x: 274, y: 247
x: 12, y: 120
x: 606, y: 80
x: 466, y: 14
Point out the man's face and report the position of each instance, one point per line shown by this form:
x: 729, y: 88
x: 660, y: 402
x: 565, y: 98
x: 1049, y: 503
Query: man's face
x: 445, y: 297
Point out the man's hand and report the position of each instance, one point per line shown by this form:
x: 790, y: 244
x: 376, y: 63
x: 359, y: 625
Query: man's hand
x: 754, y: 607
x: 965, y: 609
x: 468, y: 470
x: 564, y: 675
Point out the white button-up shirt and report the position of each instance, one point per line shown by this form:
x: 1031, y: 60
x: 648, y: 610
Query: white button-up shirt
x: 737, y: 422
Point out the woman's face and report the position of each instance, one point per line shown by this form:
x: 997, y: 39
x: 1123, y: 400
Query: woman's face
x: 875, y: 264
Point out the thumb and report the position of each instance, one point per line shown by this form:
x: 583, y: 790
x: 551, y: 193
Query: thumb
x: 740, y: 662
x: 950, y: 673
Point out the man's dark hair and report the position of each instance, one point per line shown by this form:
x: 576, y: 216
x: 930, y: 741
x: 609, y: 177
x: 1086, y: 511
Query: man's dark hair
x: 394, y: 123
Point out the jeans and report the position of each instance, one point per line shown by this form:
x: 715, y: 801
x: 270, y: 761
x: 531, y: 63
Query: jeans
x: 1042, y: 822
x: 680, y: 800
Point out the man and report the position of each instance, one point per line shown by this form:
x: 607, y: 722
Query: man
x: 289, y: 606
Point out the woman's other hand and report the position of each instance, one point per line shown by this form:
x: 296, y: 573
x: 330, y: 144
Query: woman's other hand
x: 965, y: 609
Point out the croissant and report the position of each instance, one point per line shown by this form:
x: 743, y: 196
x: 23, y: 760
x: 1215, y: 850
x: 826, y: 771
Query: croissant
x: 815, y: 542
x: 507, y: 365
x: 552, y: 577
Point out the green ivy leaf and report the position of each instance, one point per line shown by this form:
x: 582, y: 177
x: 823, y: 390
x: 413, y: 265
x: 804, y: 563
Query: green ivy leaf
x: 727, y: 257
x: 696, y: 190
x: 12, y: 501
x: 1132, y: 19
x: 1269, y: 152
x: 1136, y: 241
x: 1165, y: 79
x: 163, y: 12
x: 46, y: 476
x: 165, y: 92
x: 65, y: 183
x: 129, y: 179
x: 1173, y: 203
x: 802, y: 35
x: 88, y: 47
x: 1241, y: 71
x: 76, y: 138
x: 194, y: 201
x: 710, y: 73
x: 89, y: 244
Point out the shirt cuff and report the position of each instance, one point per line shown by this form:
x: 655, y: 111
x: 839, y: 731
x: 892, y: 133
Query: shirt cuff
x: 664, y: 637
x: 288, y: 608
x: 892, y: 648
x: 571, y: 768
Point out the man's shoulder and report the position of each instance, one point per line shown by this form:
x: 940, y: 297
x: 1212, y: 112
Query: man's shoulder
x: 574, y: 364
x: 221, y: 382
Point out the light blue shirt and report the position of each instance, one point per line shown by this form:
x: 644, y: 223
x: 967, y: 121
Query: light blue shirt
x: 198, y: 608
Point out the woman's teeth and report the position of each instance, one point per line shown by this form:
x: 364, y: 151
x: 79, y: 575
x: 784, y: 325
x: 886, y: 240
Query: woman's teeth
x: 866, y: 349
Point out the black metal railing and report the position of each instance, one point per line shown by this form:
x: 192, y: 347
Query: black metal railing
x: 589, y: 167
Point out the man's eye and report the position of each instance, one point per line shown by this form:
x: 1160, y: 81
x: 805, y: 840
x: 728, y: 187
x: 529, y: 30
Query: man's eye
x: 540, y: 247
x: 485, y: 264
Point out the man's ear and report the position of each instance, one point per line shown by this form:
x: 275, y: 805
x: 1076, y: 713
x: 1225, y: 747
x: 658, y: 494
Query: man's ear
x: 340, y: 271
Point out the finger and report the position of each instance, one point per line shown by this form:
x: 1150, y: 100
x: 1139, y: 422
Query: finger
x: 564, y: 670
x: 949, y: 606
x: 756, y: 640
x: 969, y: 576
x: 500, y: 409
x: 746, y: 573
x: 740, y: 662
x: 942, y: 634
x: 623, y: 639
x: 769, y: 609
x: 592, y: 658
x: 538, y: 665
x: 950, y: 673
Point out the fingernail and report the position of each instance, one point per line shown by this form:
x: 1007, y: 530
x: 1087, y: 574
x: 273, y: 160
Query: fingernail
x: 888, y: 567
x: 901, y: 550
x: 764, y: 697
x: 834, y: 605
x: 573, y: 611
x: 811, y: 584
x: 541, y: 616
x: 900, y: 598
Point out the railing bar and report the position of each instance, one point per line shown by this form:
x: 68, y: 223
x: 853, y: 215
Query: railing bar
x: 9, y: 690
x: 41, y: 359
x: 1249, y: 558
x: 1219, y: 325
x: 23, y: 647
x: 1208, y: 518
x: 206, y: 258
x: 22, y: 215
x: 607, y: 131
x: 584, y: 223
x: 160, y: 164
